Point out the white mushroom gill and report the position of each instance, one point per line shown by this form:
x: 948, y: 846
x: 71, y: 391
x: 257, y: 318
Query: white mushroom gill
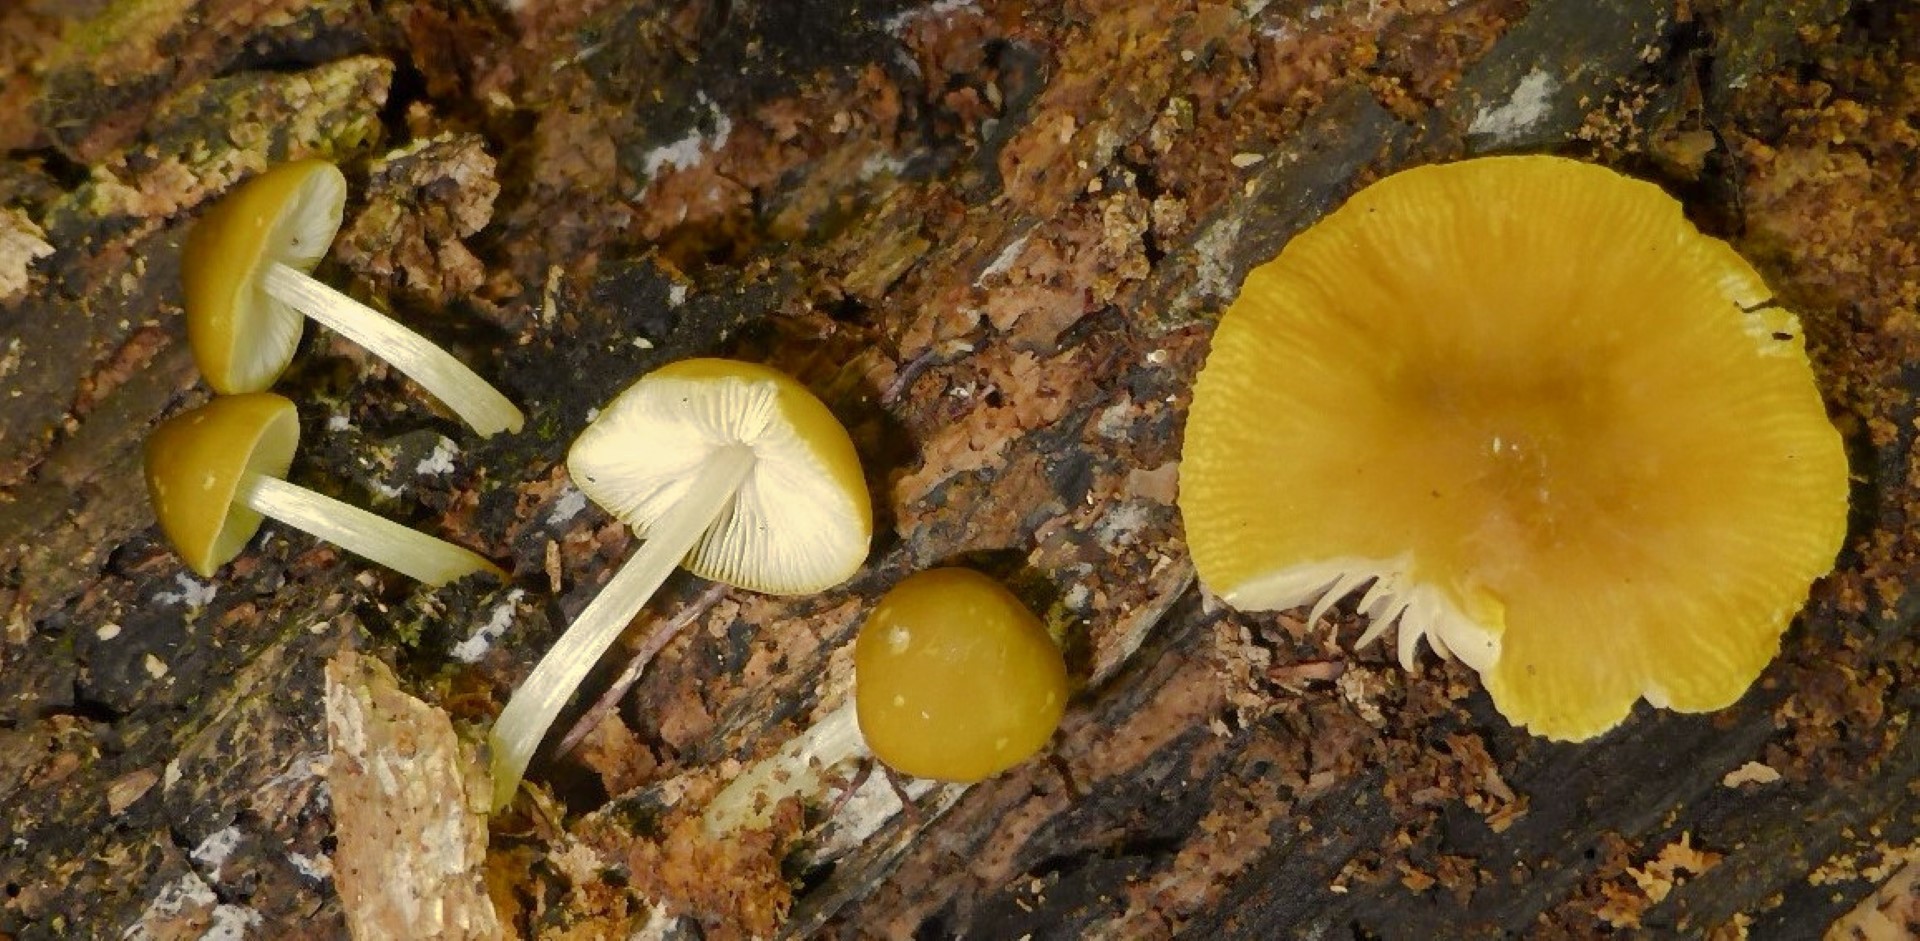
x: 1396, y: 596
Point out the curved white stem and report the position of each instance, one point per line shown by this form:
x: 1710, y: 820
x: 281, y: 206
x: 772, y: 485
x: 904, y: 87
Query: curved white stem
x: 447, y: 379
x: 532, y: 709
x: 407, y: 551
x: 798, y: 769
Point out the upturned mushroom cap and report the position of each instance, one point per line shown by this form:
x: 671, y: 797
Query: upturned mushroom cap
x: 954, y: 679
x: 800, y: 522
x: 1574, y: 439
x: 242, y: 337
x: 194, y: 463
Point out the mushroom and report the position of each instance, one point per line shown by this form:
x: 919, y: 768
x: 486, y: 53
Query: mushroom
x: 1567, y: 437
x: 215, y: 471
x: 731, y: 469
x: 244, y: 271
x: 954, y: 680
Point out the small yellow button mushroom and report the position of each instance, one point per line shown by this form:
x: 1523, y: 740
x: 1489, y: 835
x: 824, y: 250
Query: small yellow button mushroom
x: 954, y: 680
x: 731, y: 469
x: 244, y: 272
x: 214, y: 472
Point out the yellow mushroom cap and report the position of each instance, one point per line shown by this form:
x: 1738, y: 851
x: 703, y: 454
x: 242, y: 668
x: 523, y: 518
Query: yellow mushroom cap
x: 194, y: 463
x: 954, y: 679
x: 1572, y: 437
x: 242, y: 337
x: 800, y: 522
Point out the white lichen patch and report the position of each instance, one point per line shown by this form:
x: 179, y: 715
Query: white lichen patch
x: 177, y: 901
x: 1213, y: 273
x: 1122, y: 525
x: 299, y: 770
x: 568, y: 506
x: 878, y: 165
x: 1115, y: 421
x: 688, y: 151
x: 213, y: 851
x: 480, y: 641
x: 230, y: 923
x: 317, y: 868
x: 939, y: 10
x: 1077, y: 597
x: 1530, y: 103
x: 440, y: 461
x: 193, y: 594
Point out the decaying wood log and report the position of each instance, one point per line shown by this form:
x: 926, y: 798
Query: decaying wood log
x: 992, y: 235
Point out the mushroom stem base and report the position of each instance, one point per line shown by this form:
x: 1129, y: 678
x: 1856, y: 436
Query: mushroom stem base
x: 798, y: 769
x: 477, y: 403
x: 533, y: 707
x: 407, y: 551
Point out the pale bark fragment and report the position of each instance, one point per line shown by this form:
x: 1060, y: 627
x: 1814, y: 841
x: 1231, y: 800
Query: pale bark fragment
x: 410, y: 821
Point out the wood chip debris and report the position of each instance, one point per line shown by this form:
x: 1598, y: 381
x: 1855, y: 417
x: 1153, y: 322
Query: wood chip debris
x: 409, y: 816
x: 1753, y: 772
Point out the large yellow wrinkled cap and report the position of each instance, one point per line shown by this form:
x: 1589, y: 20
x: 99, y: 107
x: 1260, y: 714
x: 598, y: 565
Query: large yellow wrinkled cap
x: 194, y: 463
x: 242, y: 337
x: 1574, y: 438
x: 955, y: 679
x: 800, y: 522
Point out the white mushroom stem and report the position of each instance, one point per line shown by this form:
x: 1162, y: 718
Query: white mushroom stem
x: 798, y: 769
x: 447, y: 379
x: 407, y: 551
x: 534, y: 705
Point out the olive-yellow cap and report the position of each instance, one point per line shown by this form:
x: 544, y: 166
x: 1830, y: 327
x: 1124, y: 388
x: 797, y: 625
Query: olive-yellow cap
x: 243, y: 336
x: 1566, y: 436
x: 194, y: 465
x: 955, y: 679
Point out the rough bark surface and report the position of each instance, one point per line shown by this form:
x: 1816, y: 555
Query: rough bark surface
x: 992, y: 235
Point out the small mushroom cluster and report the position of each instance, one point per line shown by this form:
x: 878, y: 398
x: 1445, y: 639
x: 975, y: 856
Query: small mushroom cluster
x: 741, y: 475
x: 1561, y: 434
x: 214, y: 472
x: 733, y: 470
